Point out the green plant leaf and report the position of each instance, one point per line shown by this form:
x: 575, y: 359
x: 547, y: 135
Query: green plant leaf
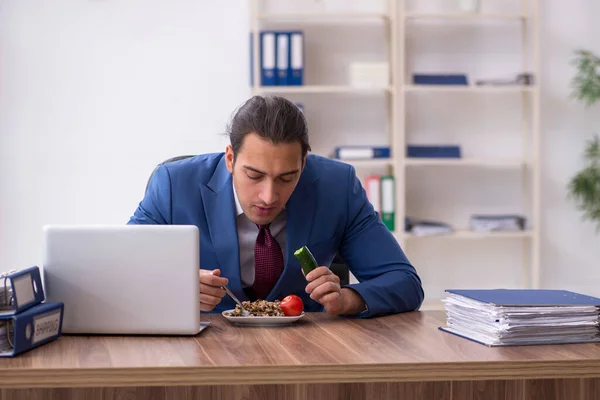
x: 584, y: 187
x: 586, y: 82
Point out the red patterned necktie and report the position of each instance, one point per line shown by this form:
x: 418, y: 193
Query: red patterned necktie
x: 268, y: 262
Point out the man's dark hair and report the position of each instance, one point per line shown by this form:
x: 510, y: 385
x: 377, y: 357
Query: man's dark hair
x: 271, y: 117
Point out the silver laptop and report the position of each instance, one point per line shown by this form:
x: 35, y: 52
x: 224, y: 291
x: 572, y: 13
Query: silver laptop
x: 124, y: 279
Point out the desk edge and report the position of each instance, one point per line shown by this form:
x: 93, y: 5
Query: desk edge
x: 297, y: 374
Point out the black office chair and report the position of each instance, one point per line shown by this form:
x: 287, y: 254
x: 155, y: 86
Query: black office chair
x: 165, y: 162
x: 338, y: 265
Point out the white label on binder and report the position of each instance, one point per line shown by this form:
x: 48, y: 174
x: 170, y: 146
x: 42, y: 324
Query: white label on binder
x: 282, y: 51
x: 23, y: 290
x: 356, y: 153
x: 387, y: 194
x: 296, y: 47
x: 46, y: 325
x: 268, y: 59
x: 373, y: 193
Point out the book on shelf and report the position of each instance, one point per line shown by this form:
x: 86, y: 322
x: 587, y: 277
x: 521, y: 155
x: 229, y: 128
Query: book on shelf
x: 281, y: 58
x: 419, y: 227
x: 433, y: 151
x: 388, y: 201
x: 361, y: 152
x: 380, y: 193
x: 499, y: 222
x: 373, y: 189
x: 440, y: 79
x: 524, y: 79
x: 504, y: 317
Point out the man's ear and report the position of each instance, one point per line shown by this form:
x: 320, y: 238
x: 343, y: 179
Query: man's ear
x: 229, y: 158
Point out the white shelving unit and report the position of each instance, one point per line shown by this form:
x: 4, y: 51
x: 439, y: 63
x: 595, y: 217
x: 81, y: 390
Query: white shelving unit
x: 324, y: 89
x: 467, y: 162
x: 466, y: 88
x: 464, y: 16
x: 398, y: 21
x: 319, y: 17
x: 388, y: 20
x: 528, y: 19
x: 469, y: 234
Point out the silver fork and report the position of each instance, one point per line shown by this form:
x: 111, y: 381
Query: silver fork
x: 244, y: 312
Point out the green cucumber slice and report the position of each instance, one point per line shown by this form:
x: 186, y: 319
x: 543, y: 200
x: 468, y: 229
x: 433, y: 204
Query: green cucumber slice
x: 306, y: 259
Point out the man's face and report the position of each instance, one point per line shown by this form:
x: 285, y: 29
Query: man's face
x: 264, y: 176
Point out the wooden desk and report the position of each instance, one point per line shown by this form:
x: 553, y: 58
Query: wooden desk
x: 400, y: 356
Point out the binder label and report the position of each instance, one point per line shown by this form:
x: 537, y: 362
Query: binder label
x: 282, y: 52
x: 296, y: 53
x: 387, y: 201
x: 46, y: 325
x: 268, y: 59
x: 23, y: 290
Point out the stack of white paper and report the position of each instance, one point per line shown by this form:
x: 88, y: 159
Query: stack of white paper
x: 511, y: 322
x: 427, y: 228
x: 490, y: 223
x: 4, y: 342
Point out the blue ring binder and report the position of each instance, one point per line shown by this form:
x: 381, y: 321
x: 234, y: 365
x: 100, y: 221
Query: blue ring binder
x: 27, y: 321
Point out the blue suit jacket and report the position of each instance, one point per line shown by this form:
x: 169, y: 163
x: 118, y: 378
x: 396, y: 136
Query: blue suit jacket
x: 328, y: 212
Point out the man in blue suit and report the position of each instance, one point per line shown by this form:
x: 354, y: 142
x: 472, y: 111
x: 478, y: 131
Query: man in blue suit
x: 264, y: 198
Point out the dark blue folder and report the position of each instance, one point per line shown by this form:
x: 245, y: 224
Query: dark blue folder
x: 528, y: 297
x: 21, y: 290
x: 32, y: 328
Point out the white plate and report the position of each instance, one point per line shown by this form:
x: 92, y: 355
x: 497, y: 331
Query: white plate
x: 261, y: 321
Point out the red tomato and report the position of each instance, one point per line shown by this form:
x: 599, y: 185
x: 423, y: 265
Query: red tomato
x: 292, y: 305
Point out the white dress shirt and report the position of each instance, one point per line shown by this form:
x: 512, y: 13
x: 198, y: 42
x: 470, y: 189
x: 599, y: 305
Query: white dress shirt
x: 247, y: 232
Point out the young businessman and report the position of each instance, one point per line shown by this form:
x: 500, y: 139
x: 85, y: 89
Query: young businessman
x: 264, y: 198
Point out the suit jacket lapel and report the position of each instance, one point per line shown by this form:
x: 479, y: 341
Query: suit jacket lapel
x: 219, y: 207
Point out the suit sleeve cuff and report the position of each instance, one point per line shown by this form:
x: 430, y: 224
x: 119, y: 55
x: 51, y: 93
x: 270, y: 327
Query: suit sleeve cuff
x: 364, y: 313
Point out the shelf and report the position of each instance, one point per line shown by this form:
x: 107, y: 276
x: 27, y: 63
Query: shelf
x: 465, y: 16
x: 469, y: 88
x: 322, y: 89
x: 468, y: 234
x: 398, y: 25
x: 323, y: 17
x: 443, y: 162
x: 467, y: 162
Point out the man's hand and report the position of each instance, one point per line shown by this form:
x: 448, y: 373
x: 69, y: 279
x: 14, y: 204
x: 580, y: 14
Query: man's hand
x: 211, y: 289
x: 324, y: 287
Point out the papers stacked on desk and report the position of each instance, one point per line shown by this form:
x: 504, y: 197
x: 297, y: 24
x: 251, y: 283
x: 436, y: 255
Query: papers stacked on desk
x: 503, y: 317
x: 4, y: 335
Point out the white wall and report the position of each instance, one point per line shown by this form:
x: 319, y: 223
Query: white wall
x: 570, y: 248
x: 94, y: 93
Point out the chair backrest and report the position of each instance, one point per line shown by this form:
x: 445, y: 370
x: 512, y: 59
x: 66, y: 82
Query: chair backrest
x: 163, y: 163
